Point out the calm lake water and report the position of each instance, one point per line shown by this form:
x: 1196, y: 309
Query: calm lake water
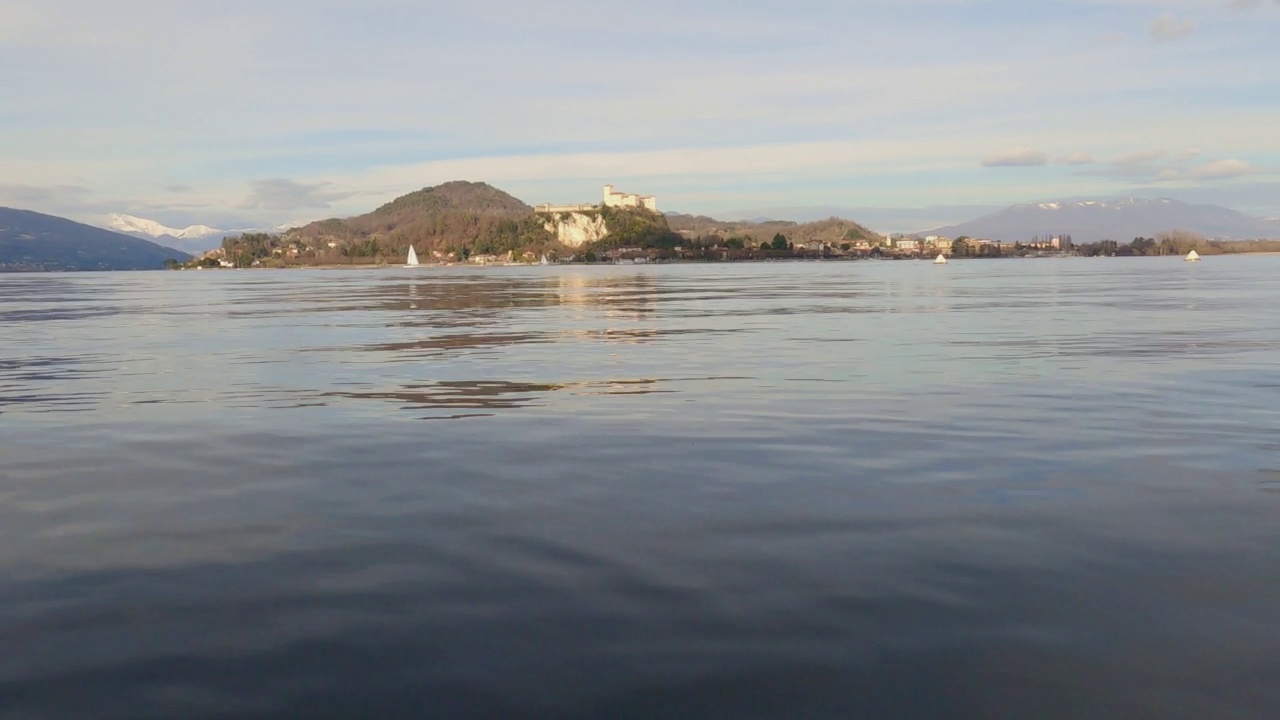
x: 995, y: 489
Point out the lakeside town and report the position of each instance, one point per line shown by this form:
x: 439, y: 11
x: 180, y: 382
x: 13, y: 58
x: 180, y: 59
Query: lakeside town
x: 696, y: 249
x: 475, y: 224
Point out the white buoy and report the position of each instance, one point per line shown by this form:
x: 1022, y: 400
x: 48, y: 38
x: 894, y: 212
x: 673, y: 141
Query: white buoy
x: 1192, y: 256
x: 940, y: 260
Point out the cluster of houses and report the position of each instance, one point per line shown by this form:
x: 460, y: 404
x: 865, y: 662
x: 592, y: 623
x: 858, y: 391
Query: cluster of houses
x: 931, y: 245
x: 908, y: 245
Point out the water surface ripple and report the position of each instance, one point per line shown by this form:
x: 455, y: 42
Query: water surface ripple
x: 1022, y: 489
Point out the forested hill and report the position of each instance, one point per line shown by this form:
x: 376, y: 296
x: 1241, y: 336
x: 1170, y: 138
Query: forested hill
x: 833, y: 230
x: 446, y: 218
x: 460, y: 195
x: 34, y: 241
x: 459, y: 219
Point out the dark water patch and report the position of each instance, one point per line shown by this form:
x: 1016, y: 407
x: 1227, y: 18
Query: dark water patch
x: 37, y: 315
x: 477, y: 394
x: 52, y: 369
x: 462, y: 341
x: 50, y: 402
x: 500, y: 395
x: 443, y: 344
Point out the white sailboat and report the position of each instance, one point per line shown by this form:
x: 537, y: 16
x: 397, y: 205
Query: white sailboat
x: 940, y: 260
x: 413, y: 258
x: 543, y: 261
x: 1192, y: 256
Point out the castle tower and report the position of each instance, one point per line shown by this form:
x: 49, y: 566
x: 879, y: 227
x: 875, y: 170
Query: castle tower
x: 608, y: 194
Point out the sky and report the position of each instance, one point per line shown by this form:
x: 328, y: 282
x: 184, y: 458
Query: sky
x: 913, y: 113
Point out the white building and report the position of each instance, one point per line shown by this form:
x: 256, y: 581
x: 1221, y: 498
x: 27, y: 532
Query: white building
x: 612, y: 198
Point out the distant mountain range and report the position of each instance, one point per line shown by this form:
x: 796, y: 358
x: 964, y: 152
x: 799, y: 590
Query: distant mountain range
x: 192, y: 238
x: 831, y: 230
x: 1085, y: 219
x: 881, y: 219
x: 1120, y: 220
x: 33, y: 241
x: 131, y: 225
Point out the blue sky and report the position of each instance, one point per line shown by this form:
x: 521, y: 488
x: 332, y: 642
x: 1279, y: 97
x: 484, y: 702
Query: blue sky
x: 250, y: 113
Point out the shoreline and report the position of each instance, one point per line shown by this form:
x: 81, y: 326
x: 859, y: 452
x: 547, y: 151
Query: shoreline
x: 476, y: 266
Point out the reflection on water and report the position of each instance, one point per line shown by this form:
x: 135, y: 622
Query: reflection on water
x: 496, y: 394
x: 493, y: 394
x: 990, y: 489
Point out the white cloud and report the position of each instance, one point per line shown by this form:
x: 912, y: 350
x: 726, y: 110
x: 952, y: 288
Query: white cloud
x: 1167, y: 27
x: 1137, y: 163
x: 47, y: 197
x: 1227, y: 169
x: 1222, y: 170
x: 1076, y: 158
x: 1023, y: 157
x: 1136, y: 158
x: 285, y: 194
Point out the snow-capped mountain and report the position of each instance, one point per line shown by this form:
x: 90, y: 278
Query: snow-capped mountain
x: 1116, y: 219
x: 193, y: 238
x: 142, y: 226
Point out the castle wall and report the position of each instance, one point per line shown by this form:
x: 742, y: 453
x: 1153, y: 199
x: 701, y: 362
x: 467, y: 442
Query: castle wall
x: 548, y: 208
x: 632, y: 200
x: 610, y: 198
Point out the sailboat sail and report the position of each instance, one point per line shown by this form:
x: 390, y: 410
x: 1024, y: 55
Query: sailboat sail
x: 413, y: 257
x: 1192, y: 256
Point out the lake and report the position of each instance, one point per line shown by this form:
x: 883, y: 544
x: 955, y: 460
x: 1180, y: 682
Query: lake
x: 1041, y: 488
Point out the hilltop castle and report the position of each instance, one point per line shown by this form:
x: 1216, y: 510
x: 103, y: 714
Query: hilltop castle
x: 612, y: 198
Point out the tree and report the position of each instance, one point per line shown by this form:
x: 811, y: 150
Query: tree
x: 1180, y: 242
x: 961, y: 248
x: 171, y: 264
x: 779, y: 242
x: 734, y: 243
x: 1143, y: 246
